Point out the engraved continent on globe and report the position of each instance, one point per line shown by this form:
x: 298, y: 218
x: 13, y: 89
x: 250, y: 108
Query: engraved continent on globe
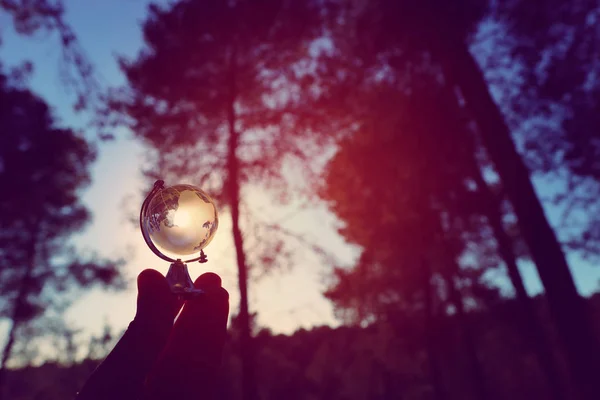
x: 180, y: 220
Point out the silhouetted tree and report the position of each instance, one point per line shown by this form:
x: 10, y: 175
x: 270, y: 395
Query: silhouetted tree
x: 76, y: 71
x: 351, y: 363
x: 360, y: 191
x: 490, y: 205
x: 553, y: 44
x: 567, y: 306
x: 212, y: 94
x: 43, y: 168
x: 386, y: 34
x: 394, y: 208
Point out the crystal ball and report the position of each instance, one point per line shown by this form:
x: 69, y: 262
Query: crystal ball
x: 180, y: 220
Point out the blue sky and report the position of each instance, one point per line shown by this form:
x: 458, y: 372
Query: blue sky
x: 285, y: 300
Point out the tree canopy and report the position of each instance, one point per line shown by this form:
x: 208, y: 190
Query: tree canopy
x: 43, y: 168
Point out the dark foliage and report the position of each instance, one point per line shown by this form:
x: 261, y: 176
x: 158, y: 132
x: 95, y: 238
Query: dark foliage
x: 386, y: 51
x: 43, y: 168
x: 213, y: 93
x: 47, y: 16
x: 353, y: 363
x: 435, y: 146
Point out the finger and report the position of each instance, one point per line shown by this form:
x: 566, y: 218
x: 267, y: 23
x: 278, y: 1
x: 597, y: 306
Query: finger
x: 189, y: 364
x: 121, y: 375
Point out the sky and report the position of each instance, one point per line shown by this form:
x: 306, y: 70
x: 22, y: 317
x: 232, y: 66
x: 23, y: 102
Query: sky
x: 288, y: 299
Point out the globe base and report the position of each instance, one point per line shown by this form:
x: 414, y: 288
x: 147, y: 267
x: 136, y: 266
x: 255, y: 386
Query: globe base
x: 180, y: 282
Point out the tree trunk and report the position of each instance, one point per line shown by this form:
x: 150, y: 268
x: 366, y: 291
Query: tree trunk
x: 247, y: 349
x: 431, y: 335
x: 528, y: 321
x: 6, y: 353
x: 17, y: 310
x: 468, y: 339
x: 566, y: 305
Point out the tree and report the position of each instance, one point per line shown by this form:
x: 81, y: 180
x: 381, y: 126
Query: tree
x: 529, y: 324
x: 554, y: 116
x: 390, y: 33
x: 43, y: 168
x: 211, y: 93
x: 76, y: 71
x: 355, y: 184
x: 395, y: 208
x: 567, y: 306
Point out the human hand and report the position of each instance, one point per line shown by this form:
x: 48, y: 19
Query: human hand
x: 156, y: 359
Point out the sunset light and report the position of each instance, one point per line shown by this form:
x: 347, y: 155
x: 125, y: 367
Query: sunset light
x: 267, y: 199
x: 182, y: 218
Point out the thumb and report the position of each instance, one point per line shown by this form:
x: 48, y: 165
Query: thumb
x: 188, y: 367
x: 122, y: 373
x: 156, y: 304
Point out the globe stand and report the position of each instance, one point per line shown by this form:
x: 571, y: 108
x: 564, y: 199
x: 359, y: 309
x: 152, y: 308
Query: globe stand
x: 180, y: 282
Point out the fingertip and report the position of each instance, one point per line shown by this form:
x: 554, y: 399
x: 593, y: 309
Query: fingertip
x: 208, y: 280
x: 211, y: 282
x: 150, y: 280
x: 154, y: 296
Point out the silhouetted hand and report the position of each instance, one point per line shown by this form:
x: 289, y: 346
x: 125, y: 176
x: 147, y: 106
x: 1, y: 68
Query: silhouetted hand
x: 156, y: 359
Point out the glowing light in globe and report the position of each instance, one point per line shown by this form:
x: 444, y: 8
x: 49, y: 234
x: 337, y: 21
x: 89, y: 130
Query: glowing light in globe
x: 179, y: 220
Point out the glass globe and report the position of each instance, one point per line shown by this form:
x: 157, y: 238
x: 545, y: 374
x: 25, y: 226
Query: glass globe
x: 179, y: 221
